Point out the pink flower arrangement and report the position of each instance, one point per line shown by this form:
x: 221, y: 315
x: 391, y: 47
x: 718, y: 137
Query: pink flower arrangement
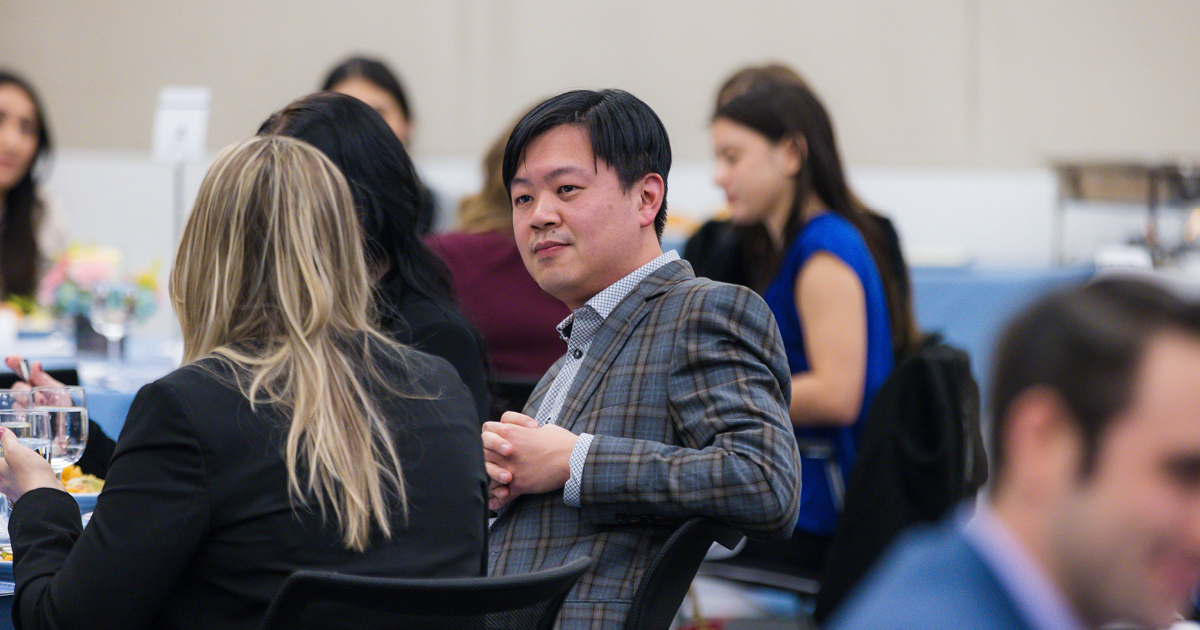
x: 85, y: 274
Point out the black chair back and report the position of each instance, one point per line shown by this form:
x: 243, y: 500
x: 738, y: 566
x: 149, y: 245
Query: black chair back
x: 321, y: 600
x: 670, y: 573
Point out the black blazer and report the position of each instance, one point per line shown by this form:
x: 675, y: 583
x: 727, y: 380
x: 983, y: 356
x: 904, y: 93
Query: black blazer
x: 194, y: 528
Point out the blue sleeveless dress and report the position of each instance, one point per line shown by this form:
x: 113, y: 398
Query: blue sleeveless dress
x: 827, y: 453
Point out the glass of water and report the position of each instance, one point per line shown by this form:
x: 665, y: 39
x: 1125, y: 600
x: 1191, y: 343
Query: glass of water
x: 67, y: 407
x: 30, y: 426
x: 32, y: 429
x: 16, y: 399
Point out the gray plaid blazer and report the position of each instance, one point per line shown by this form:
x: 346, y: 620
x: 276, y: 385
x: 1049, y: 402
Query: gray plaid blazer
x: 686, y: 388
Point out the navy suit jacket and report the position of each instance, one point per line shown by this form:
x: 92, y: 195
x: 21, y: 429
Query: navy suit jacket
x: 932, y: 579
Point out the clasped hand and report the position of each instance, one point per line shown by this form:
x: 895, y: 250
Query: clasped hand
x: 523, y: 458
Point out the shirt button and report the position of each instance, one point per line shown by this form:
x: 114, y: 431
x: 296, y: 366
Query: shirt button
x: 578, y: 354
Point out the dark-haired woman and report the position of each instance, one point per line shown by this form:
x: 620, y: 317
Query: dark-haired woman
x: 414, y: 298
x: 372, y: 82
x: 30, y: 235
x: 820, y: 272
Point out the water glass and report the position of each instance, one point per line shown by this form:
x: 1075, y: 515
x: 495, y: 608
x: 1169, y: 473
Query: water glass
x: 30, y: 426
x: 67, y: 407
x: 32, y: 429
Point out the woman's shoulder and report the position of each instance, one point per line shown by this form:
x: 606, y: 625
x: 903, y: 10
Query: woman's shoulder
x: 828, y: 227
x: 408, y: 365
x: 412, y: 379
x: 207, y: 374
x: 830, y: 233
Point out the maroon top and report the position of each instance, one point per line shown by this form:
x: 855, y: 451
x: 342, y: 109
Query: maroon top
x: 516, y: 318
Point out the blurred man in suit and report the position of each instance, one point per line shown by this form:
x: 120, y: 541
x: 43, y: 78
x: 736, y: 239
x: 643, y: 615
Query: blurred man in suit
x: 671, y: 400
x: 1094, y: 516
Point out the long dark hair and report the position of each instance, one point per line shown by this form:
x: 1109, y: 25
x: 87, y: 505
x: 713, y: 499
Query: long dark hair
x: 783, y: 110
x: 386, y: 189
x: 23, y: 209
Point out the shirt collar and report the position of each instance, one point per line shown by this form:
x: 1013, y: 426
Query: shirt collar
x: 604, y: 302
x: 1038, y: 599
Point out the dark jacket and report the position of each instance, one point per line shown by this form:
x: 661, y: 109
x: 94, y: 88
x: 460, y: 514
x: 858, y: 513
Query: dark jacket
x: 920, y: 454
x: 195, y: 529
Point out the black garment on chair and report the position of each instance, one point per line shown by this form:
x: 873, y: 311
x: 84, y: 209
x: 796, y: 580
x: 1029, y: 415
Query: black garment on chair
x: 322, y: 600
x: 920, y: 454
x: 670, y: 573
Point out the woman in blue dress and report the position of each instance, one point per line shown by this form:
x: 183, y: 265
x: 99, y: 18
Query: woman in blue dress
x: 819, y: 258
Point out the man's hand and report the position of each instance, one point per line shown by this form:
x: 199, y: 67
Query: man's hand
x: 522, y: 458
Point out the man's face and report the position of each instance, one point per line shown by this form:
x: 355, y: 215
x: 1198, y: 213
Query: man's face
x: 577, y: 230
x: 1128, y: 536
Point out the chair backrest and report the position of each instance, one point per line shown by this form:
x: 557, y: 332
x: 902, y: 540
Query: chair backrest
x: 670, y: 572
x: 322, y: 600
x: 920, y: 454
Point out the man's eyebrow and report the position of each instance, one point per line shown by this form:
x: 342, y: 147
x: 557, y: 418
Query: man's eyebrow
x: 558, y: 172
x: 567, y: 170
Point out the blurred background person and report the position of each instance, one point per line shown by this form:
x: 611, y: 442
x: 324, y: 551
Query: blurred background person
x: 296, y: 435
x: 1090, y: 521
x: 372, y: 82
x: 722, y: 249
x: 822, y: 266
x: 413, y: 294
x: 31, y: 235
x: 515, y: 316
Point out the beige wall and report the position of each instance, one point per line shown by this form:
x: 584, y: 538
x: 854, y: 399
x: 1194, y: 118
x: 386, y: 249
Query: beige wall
x: 992, y: 83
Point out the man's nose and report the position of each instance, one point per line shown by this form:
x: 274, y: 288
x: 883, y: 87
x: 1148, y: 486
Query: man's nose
x: 545, y: 212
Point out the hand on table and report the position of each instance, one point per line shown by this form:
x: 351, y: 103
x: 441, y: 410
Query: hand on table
x: 523, y: 458
x: 22, y: 469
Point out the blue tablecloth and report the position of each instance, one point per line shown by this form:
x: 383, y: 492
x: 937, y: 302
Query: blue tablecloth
x: 108, y: 409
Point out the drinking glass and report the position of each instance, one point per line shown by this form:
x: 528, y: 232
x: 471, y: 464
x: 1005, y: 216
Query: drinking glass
x: 30, y: 426
x: 32, y: 429
x: 67, y: 407
x: 110, y: 313
x: 16, y: 399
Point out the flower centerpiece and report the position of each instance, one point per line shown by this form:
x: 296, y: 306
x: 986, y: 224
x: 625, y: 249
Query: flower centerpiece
x: 86, y: 282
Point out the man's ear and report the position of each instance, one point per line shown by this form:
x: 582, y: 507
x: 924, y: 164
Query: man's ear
x: 1043, y: 446
x: 651, y: 192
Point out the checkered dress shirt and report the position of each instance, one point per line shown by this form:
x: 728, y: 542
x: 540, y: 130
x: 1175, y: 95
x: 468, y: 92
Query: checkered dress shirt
x: 578, y: 330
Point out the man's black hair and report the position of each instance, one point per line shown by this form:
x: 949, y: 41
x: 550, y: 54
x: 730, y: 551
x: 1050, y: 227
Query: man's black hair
x: 623, y: 130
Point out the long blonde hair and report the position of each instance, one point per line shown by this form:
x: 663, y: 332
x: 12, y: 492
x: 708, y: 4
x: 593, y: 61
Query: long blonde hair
x: 270, y: 278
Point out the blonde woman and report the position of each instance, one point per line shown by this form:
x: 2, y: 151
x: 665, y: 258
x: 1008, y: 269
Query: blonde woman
x: 295, y: 436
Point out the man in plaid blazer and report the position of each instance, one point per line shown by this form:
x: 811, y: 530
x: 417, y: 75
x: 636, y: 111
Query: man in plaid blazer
x: 672, y: 399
